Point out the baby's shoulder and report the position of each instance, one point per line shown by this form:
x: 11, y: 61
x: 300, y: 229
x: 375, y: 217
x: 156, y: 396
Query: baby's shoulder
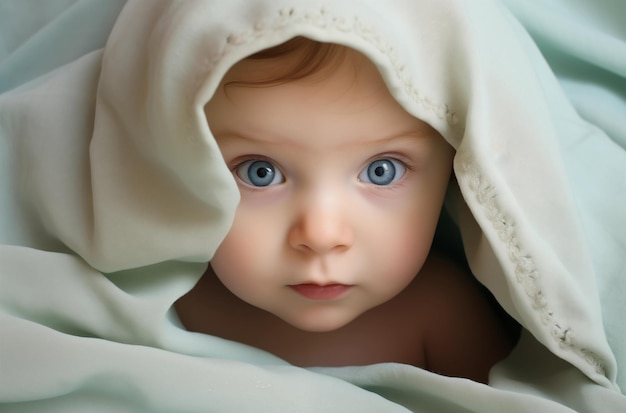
x: 464, y: 330
x: 443, y: 284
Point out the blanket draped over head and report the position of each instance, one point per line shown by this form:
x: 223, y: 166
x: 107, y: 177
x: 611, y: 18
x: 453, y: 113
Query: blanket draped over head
x: 114, y: 196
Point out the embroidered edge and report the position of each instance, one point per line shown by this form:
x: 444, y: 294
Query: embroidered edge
x: 525, y: 270
x: 322, y: 19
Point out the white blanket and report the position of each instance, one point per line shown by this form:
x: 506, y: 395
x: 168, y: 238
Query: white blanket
x: 113, y: 196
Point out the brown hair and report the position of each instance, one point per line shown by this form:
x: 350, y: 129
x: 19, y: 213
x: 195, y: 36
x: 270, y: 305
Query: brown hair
x: 313, y: 57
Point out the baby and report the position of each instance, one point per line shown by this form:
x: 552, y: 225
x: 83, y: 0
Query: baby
x: 329, y: 258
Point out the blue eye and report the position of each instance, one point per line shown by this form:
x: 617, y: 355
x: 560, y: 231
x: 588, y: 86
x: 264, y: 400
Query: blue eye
x: 382, y: 172
x: 259, y: 173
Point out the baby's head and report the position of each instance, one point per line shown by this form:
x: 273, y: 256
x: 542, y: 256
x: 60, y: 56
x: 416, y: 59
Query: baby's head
x: 341, y: 188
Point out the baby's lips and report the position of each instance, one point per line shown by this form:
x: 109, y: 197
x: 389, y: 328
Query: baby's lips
x: 319, y: 292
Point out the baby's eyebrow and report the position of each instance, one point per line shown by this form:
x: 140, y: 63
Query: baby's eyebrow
x: 228, y: 134
x: 419, y: 133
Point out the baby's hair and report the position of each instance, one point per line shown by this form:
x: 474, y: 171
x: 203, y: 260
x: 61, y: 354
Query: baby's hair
x: 313, y: 57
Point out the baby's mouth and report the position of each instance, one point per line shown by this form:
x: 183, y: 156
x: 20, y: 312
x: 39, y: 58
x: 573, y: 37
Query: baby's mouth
x: 320, y: 292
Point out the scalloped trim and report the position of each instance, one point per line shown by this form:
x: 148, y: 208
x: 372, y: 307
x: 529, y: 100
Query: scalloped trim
x: 525, y: 270
x: 322, y: 19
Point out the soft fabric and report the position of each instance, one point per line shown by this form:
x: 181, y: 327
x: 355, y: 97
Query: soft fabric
x: 113, y: 197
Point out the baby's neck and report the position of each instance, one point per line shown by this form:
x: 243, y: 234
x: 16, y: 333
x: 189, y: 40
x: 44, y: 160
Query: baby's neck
x: 212, y: 309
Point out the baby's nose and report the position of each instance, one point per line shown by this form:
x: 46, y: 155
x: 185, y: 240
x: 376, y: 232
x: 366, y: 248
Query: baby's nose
x: 321, y: 227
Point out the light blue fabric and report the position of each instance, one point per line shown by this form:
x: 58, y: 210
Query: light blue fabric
x: 39, y: 36
x: 584, y: 42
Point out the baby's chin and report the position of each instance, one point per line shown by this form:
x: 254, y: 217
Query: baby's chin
x: 322, y: 322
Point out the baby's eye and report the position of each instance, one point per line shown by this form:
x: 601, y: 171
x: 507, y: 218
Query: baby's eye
x: 259, y: 173
x: 382, y: 172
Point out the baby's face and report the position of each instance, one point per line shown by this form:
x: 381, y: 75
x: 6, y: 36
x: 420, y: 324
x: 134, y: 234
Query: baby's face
x: 341, y: 191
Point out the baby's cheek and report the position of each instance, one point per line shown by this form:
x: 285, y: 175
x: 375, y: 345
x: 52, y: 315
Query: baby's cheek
x: 233, y: 256
x: 242, y: 258
x: 409, y: 254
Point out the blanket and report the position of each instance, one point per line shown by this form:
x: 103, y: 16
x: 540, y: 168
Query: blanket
x: 114, y: 196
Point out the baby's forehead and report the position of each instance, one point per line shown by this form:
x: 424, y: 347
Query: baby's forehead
x: 328, y: 77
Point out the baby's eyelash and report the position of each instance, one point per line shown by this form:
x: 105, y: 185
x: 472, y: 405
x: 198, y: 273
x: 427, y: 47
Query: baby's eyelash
x: 405, y: 161
x: 240, y: 160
